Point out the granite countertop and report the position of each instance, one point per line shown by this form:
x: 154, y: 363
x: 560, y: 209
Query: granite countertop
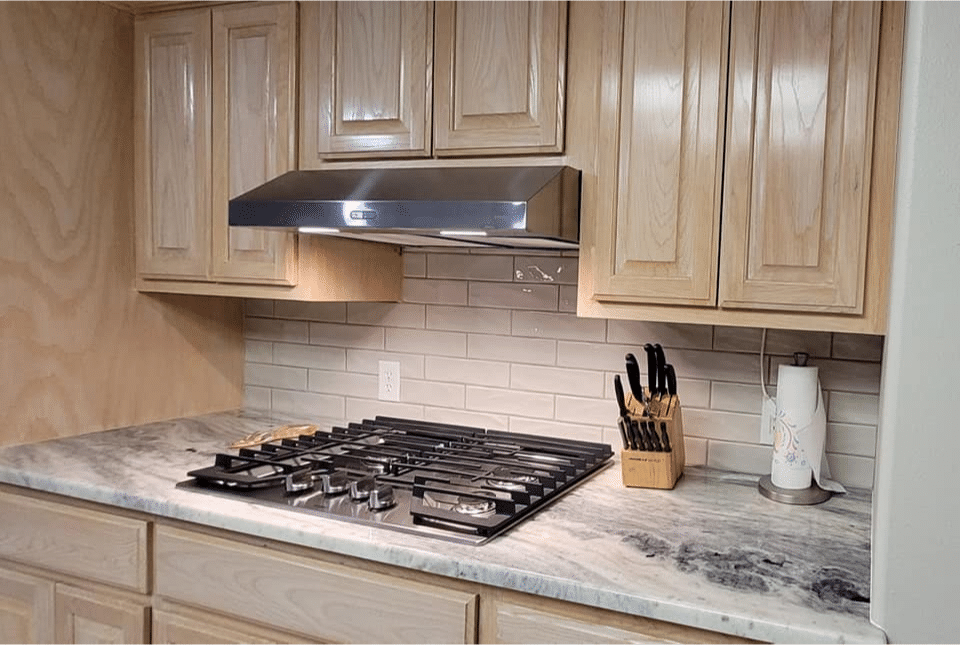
x: 712, y: 553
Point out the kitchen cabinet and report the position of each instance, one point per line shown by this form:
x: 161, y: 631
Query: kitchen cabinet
x: 75, y: 575
x: 750, y: 192
x: 26, y: 608
x: 449, y: 79
x: 216, y: 116
x: 209, y: 585
x: 85, y: 616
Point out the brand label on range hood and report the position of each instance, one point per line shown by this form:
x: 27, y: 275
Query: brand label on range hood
x: 363, y: 214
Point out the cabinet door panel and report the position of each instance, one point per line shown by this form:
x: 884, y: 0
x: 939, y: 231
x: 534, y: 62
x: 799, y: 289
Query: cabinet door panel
x: 800, y: 135
x: 254, y: 80
x: 26, y: 608
x: 83, y: 616
x: 366, y: 80
x: 183, y: 625
x: 173, y: 144
x: 661, y: 244
x: 500, y: 77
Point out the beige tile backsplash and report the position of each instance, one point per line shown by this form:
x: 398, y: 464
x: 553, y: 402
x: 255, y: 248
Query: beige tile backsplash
x: 491, y: 340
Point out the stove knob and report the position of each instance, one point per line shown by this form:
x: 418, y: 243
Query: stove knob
x: 298, y: 482
x: 381, y: 498
x: 360, y: 489
x: 334, y: 483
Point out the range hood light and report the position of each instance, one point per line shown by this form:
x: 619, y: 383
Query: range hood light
x: 464, y: 233
x: 318, y: 230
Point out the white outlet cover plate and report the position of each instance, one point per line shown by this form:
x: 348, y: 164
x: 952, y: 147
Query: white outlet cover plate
x: 388, y: 382
x: 768, y: 414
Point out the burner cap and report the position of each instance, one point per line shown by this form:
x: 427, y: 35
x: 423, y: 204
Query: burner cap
x: 505, y: 480
x: 474, y: 506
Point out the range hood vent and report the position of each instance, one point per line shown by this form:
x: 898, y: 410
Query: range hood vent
x: 515, y: 207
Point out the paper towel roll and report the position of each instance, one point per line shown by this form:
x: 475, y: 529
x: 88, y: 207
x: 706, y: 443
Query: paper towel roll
x: 801, y: 427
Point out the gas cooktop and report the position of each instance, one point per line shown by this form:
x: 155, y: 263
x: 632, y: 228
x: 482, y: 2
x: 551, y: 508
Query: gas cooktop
x: 452, y: 482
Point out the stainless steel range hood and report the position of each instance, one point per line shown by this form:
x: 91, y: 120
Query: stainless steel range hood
x: 528, y: 207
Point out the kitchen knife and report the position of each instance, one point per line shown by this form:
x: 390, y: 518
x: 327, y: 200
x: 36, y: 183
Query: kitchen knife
x: 664, y: 436
x: 661, y: 372
x: 652, y: 439
x: 622, y: 420
x: 671, y: 385
x: 633, y: 377
x: 651, y: 376
x: 641, y: 441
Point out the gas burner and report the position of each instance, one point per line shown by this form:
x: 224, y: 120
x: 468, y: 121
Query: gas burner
x: 443, y: 481
x: 475, y: 506
x: 503, y: 479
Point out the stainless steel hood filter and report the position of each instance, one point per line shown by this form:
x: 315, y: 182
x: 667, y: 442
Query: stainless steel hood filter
x: 516, y: 207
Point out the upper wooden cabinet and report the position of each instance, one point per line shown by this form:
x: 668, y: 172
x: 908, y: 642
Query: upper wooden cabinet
x: 215, y: 117
x: 786, y: 149
x: 366, y: 79
x: 414, y: 79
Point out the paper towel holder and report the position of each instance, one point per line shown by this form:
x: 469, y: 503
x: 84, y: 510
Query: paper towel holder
x: 800, y: 496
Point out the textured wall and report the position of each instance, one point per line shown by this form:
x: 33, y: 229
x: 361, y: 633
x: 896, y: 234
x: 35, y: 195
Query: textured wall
x: 80, y: 350
x: 492, y: 340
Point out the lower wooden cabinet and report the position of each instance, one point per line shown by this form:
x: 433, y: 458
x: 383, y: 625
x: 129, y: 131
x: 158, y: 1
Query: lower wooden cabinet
x: 179, y: 583
x: 86, y: 616
x: 26, y: 608
x: 177, y: 624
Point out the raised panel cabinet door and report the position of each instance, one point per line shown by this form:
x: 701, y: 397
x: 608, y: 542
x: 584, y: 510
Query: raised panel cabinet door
x: 26, y: 608
x: 800, y: 135
x: 183, y: 625
x: 660, y: 242
x: 500, y: 77
x: 84, y: 616
x: 172, y: 148
x: 254, y: 119
x: 366, y: 80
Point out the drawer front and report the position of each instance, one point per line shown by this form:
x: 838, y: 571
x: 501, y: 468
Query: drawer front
x: 325, y: 601
x: 75, y: 541
x: 517, y: 624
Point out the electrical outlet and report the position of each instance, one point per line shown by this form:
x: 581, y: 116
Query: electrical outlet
x: 768, y: 419
x: 389, y: 381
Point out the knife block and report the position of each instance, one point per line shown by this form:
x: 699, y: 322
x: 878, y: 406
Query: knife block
x: 649, y: 469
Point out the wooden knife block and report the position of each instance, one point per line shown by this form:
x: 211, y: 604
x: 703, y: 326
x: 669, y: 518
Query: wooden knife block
x: 648, y: 469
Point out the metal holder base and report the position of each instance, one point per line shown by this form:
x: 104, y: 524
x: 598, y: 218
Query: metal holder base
x: 812, y: 495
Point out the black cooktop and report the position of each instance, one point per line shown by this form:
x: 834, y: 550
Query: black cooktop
x: 452, y: 482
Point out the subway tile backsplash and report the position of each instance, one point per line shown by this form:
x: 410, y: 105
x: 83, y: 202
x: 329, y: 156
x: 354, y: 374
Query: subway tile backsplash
x: 491, y: 340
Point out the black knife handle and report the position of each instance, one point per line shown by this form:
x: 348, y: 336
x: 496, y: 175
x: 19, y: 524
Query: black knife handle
x: 651, y: 368
x: 665, y: 437
x: 621, y: 400
x: 633, y: 377
x: 652, y: 439
x: 671, y: 380
x: 641, y: 440
x: 661, y: 369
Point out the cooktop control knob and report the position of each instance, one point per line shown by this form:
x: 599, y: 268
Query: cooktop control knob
x: 334, y: 483
x: 360, y: 488
x: 381, y: 498
x: 298, y: 482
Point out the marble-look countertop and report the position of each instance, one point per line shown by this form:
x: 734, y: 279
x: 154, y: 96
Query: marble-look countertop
x: 712, y: 553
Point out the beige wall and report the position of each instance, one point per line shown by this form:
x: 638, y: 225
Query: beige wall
x: 80, y: 350
x: 492, y: 340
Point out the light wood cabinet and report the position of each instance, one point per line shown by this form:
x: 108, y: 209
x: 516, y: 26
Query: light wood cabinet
x: 174, y: 623
x: 799, y: 144
x: 85, y: 616
x: 500, y: 77
x: 26, y: 608
x: 215, y: 116
x: 366, y: 80
x: 808, y: 105
x: 415, y: 79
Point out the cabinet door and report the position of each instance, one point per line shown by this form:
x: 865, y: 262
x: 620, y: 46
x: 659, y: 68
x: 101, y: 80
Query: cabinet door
x: 84, y: 616
x: 500, y: 77
x: 26, y: 608
x: 254, y: 89
x: 800, y: 135
x: 175, y: 624
x: 173, y: 145
x: 365, y: 80
x: 660, y: 243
